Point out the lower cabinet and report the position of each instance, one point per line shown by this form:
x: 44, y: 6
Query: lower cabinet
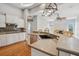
x: 7, y: 39
x: 12, y: 38
x: 62, y: 53
x: 3, y: 40
x: 38, y: 53
x: 22, y: 36
x: 0, y: 42
x: 15, y: 37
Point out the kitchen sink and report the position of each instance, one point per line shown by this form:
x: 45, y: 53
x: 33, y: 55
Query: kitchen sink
x: 49, y: 36
x: 45, y: 37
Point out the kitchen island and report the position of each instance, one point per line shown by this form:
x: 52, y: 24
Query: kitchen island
x: 43, y: 46
x: 64, y: 46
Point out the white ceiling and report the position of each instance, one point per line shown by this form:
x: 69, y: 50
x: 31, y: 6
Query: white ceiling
x: 18, y: 5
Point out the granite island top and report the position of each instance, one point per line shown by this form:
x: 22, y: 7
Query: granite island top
x: 69, y: 45
x: 47, y: 46
x: 42, y: 33
x: 64, y: 43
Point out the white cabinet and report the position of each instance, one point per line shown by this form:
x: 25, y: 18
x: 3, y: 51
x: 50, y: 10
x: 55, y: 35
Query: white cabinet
x: 15, y: 37
x: 2, y: 21
x: 38, y: 53
x: 11, y: 19
x: 12, y: 38
x: 0, y: 41
x: 15, y: 20
x: 20, y: 23
x: 62, y: 53
x: 7, y: 39
x: 21, y: 36
x: 3, y: 40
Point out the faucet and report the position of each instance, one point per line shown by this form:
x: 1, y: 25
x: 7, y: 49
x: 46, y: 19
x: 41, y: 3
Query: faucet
x: 46, y: 30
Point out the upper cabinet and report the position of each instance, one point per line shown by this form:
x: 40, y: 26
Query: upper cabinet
x: 2, y: 20
x: 11, y: 19
x: 20, y: 23
x: 15, y: 20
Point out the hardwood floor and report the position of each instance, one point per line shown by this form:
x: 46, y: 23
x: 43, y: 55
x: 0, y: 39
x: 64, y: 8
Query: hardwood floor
x: 17, y: 49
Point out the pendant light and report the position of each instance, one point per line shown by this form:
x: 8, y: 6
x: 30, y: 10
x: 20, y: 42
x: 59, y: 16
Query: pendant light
x: 50, y: 8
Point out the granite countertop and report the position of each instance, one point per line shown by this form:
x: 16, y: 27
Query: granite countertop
x: 39, y: 33
x: 69, y: 45
x: 64, y: 43
x: 53, y: 36
x: 47, y: 46
x: 10, y: 32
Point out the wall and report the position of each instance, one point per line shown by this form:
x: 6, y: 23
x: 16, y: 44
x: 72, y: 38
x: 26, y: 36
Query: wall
x: 69, y: 9
x: 5, y: 8
x: 57, y: 25
x: 26, y: 13
x: 34, y: 23
x: 42, y: 22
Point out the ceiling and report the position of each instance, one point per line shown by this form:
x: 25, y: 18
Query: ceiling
x: 18, y: 5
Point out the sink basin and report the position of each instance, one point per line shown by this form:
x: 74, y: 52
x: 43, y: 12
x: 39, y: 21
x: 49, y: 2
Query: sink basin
x: 49, y: 36
x: 45, y: 37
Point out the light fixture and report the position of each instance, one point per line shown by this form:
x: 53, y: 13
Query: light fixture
x: 50, y: 8
x: 26, y: 4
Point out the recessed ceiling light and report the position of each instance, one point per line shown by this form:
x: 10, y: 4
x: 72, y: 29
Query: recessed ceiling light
x: 26, y: 4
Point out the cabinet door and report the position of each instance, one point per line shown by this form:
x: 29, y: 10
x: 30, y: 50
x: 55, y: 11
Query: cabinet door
x: 35, y: 52
x: 16, y: 37
x: 9, y: 39
x: 11, y: 19
x: 15, y: 20
x: 12, y: 38
x: 3, y: 41
x: 62, y: 53
x: 2, y: 21
x: 20, y: 23
x: 2, y: 24
x: 21, y: 36
x: 0, y: 41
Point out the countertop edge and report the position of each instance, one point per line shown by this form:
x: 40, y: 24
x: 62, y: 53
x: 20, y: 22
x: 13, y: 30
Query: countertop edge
x: 68, y: 51
x: 41, y: 50
x: 10, y: 32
